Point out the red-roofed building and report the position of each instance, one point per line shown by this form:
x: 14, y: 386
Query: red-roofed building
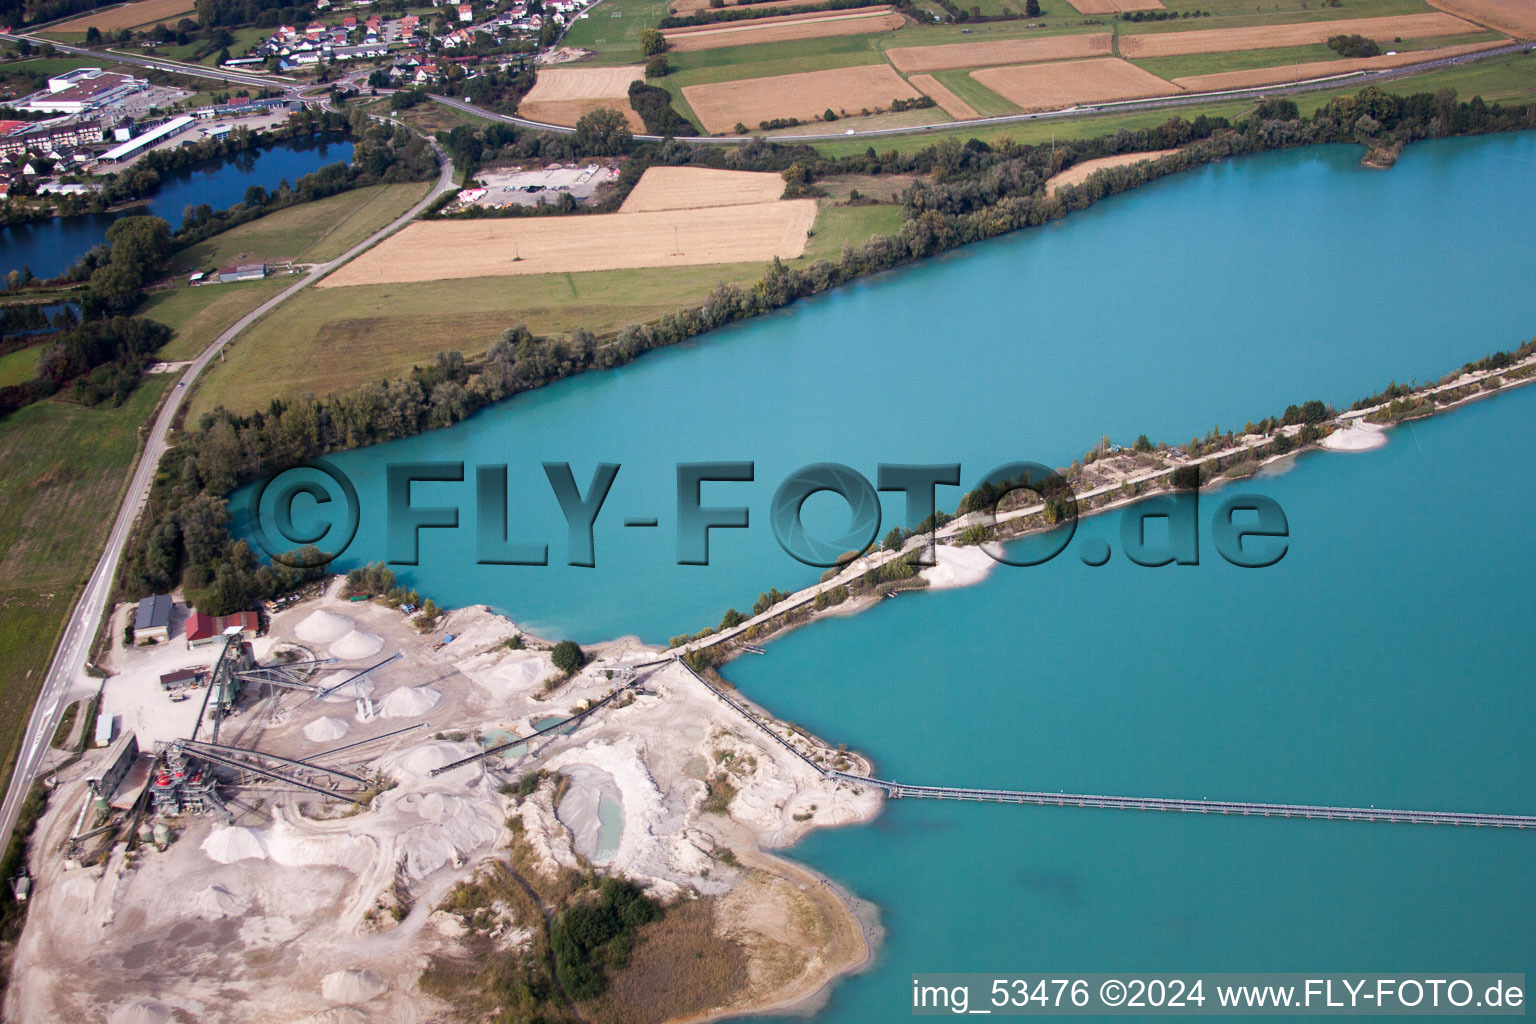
x: 200, y: 629
x: 205, y: 629
x: 6, y: 127
x: 349, y: 22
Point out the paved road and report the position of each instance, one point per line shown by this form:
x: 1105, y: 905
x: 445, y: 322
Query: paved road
x: 68, y: 667
x: 173, y: 66
x: 1156, y: 103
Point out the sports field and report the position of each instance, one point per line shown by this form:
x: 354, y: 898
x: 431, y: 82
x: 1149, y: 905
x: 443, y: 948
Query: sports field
x: 859, y: 21
x: 694, y: 188
x: 999, y: 51
x: 141, y: 12
x: 721, y: 105
x: 563, y: 95
x: 1514, y: 17
x: 1053, y: 86
x: 443, y: 250
x: 1217, y: 40
x: 1322, y: 68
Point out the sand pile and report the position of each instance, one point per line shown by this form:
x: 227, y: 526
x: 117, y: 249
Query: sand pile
x: 357, y: 644
x: 452, y: 827
x: 215, y: 902
x: 346, y: 694
x: 141, y: 1011
x: 409, y: 701
x: 337, y: 1015
x: 294, y: 846
x: 323, y: 627
x: 513, y: 675
x: 227, y: 845
x: 416, y: 764
x: 323, y: 730
x: 353, y: 985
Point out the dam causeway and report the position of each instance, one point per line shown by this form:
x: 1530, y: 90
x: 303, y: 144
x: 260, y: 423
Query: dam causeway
x: 898, y: 790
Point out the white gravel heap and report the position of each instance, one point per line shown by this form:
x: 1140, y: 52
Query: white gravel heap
x: 323, y: 730
x: 337, y: 1015
x: 141, y: 1011
x: 353, y: 985
x: 409, y: 702
x: 227, y: 845
x: 358, y: 643
x: 215, y: 901
x: 323, y: 627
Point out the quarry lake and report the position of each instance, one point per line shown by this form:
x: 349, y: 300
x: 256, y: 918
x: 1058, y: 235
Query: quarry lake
x: 1385, y: 660
x: 50, y: 246
x: 1209, y: 298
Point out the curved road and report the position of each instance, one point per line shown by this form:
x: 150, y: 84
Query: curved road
x: 69, y: 660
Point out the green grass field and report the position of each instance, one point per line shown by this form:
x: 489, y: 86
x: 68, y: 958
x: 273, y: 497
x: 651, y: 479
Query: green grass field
x: 18, y: 366
x: 983, y: 100
x: 1243, y: 60
x: 611, y: 29
x: 309, y: 232
x: 245, y: 38
x: 1241, y: 13
x: 837, y: 226
x: 61, y: 467
x: 198, y: 315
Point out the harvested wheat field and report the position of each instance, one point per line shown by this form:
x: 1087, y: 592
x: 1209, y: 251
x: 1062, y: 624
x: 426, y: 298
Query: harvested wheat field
x: 999, y: 51
x: 1516, y: 17
x: 1053, y: 86
x: 1112, y: 6
x: 861, y: 21
x: 695, y: 188
x: 752, y: 101
x: 953, y: 105
x: 1322, y: 68
x: 1081, y: 172
x: 563, y: 95
x: 443, y: 250
x: 1262, y: 37
x: 687, y: 7
x: 143, y: 12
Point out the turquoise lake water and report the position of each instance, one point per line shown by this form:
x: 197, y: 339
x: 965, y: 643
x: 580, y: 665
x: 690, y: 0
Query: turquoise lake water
x: 1208, y: 298
x: 1385, y: 661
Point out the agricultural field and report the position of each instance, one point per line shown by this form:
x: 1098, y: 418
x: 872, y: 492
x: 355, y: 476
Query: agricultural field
x: 446, y: 250
x: 60, y: 466
x: 694, y: 188
x: 1301, y: 72
x: 140, y: 12
x: 563, y: 95
x: 805, y: 96
x: 198, y: 315
x: 1220, y: 40
x: 950, y: 103
x: 999, y: 51
x: 1081, y: 172
x: 1115, y: 6
x: 1053, y: 86
x: 307, y: 233
x: 1512, y: 17
x: 861, y: 21
x: 686, y: 7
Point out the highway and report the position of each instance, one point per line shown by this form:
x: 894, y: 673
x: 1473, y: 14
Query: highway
x: 68, y: 666
x: 1122, y: 106
x: 159, y: 64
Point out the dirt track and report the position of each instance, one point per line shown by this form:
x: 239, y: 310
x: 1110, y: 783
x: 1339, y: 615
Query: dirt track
x: 1322, y: 68
x: 998, y: 51
x: 1053, y: 86
x: 1515, y: 17
x: 778, y: 30
x: 953, y: 105
x: 443, y: 250
x: 751, y: 101
x: 1260, y: 37
x: 695, y: 188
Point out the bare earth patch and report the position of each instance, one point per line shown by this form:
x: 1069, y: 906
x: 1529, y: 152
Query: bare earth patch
x: 779, y: 30
x: 563, y: 95
x: 1081, y: 172
x: 1259, y: 37
x: 1115, y: 6
x: 442, y: 250
x: 999, y: 51
x: 953, y: 105
x: 693, y: 188
x: 754, y: 100
x: 1322, y: 68
x: 1053, y: 86
x: 1516, y: 17
x: 127, y: 16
